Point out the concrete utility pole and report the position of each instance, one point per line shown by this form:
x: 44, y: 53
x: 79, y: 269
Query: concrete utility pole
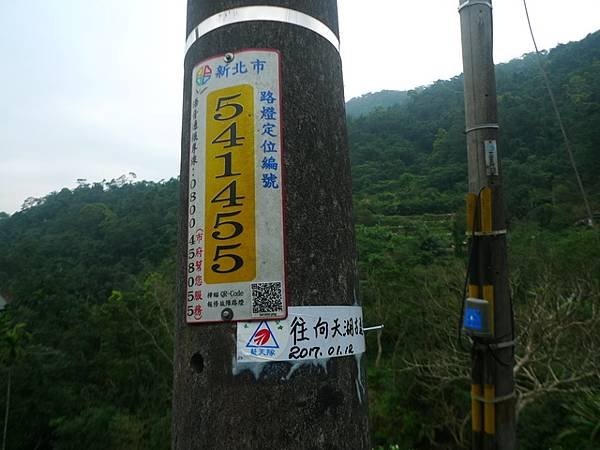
x: 218, y: 403
x: 492, y: 390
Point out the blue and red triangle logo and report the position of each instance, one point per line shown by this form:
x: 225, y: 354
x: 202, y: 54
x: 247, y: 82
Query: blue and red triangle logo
x: 262, y: 337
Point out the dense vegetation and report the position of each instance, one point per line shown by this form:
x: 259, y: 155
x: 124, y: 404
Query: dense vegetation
x: 90, y: 274
x: 411, y: 159
x: 86, y: 342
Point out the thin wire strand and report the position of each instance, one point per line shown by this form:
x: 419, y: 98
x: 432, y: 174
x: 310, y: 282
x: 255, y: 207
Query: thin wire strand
x: 472, y: 248
x: 560, y: 122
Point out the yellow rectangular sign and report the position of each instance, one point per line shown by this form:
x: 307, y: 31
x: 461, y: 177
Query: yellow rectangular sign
x: 230, y: 242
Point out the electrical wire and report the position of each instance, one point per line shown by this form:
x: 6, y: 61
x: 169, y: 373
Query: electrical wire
x: 559, y: 118
x: 471, y: 257
x: 464, y: 296
x: 469, y: 266
x: 498, y: 341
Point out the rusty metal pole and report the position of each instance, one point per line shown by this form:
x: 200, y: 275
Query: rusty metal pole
x: 279, y: 405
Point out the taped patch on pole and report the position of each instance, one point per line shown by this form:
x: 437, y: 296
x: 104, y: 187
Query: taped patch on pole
x: 235, y: 263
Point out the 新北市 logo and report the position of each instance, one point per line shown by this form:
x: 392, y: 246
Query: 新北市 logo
x: 203, y: 75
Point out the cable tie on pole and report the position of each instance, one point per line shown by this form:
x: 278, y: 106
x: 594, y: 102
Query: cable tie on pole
x: 497, y: 345
x: 495, y: 400
x: 484, y: 126
x: 505, y: 344
x: 473, y: 3
x: 486, y: 233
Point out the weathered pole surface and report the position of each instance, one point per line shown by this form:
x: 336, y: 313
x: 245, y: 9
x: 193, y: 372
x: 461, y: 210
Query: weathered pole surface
x: 279, y: 405
x: 493, y: 359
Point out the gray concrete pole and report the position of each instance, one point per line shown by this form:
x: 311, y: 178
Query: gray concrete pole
x: 278, y: 405
x: 493, y: 406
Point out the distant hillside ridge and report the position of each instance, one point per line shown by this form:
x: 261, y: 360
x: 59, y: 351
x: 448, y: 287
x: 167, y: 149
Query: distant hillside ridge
x: 367, y: 103
x: 411, y: 158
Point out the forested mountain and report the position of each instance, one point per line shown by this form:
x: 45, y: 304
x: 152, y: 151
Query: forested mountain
x: 90, y: 274
x: 411, y: 158
x: 367, y: 103
x: 86, y: 340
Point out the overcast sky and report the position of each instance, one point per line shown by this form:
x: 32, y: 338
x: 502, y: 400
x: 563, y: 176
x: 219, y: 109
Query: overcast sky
x: 92, y: 89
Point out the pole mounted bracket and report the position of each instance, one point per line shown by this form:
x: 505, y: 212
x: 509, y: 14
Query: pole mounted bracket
x: 473, y: 3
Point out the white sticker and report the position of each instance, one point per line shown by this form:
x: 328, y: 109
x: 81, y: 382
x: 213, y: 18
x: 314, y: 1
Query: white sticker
x: 235, y: 262
x: 491, y: 157
x: 308, y: 333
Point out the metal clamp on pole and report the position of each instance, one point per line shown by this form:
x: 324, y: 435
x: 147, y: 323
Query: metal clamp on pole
x: 494, y: 400
x: 262, y: 13
x: 473, y: 3
x: 483, y: 126
x: 486, y: 233
x: 497, y: 345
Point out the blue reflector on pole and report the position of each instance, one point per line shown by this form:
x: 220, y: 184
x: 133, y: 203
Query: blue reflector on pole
x: 472, y: 319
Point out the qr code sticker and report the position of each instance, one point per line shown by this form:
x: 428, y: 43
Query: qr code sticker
x: 267, y: 298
